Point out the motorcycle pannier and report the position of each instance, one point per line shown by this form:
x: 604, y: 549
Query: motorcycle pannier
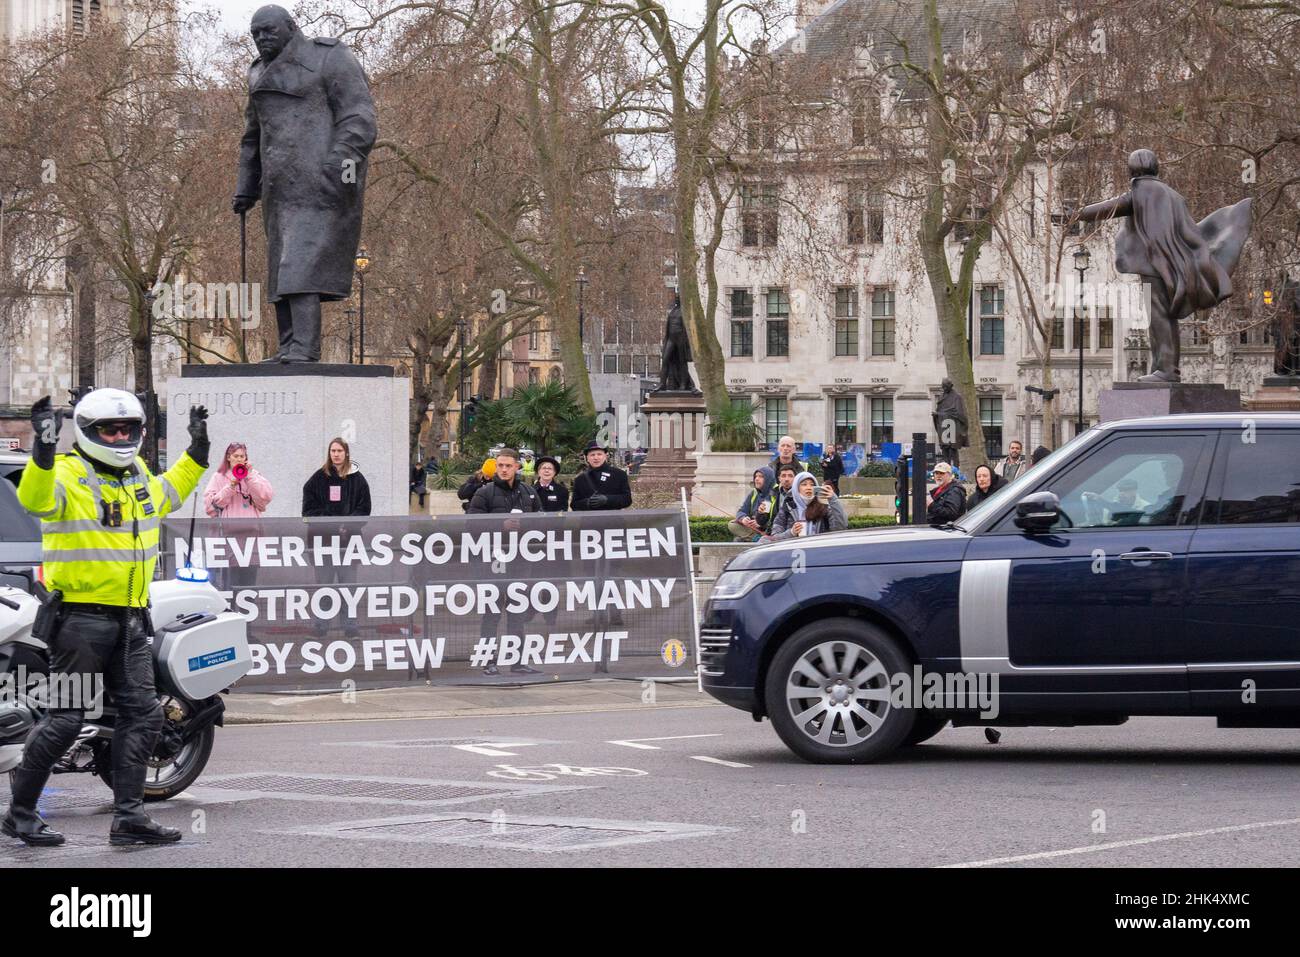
x: 202, y: 654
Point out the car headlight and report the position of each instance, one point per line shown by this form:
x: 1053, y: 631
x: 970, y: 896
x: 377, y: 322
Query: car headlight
x: 732, y: 585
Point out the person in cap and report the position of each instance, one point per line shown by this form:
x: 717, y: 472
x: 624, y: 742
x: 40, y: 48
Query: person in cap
x: 602, y: 487
x: 550, y: 490
x: 947, y: 500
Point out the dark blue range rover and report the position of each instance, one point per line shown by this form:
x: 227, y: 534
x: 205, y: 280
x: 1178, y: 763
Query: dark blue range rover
x: 1148, y: 567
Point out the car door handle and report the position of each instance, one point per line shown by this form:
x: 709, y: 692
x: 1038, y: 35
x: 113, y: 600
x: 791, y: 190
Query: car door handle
x: 1141, y: 556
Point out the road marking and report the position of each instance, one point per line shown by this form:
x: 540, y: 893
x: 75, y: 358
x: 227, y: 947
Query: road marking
x: 495, y: 749
x: 725, y: 764
x: 1112, y: 845
x: 636, y: 742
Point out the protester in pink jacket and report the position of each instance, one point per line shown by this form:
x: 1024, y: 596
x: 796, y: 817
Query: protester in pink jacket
x: 229, y: 496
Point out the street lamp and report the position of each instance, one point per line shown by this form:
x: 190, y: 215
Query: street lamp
x: 582, y: 287
x: 1081, y: 260
x: 351, y: 314
x: 363, y: 263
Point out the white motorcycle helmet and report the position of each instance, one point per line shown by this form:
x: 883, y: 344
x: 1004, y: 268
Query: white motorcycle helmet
x: 105, y: 407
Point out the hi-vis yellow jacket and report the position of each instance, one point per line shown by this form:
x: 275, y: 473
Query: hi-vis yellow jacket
x: 82, y: 558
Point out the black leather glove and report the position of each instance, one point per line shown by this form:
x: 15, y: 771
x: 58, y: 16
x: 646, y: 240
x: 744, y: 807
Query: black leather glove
x: 597, y: 501
x: 45, y: 432
x: 198, y: 430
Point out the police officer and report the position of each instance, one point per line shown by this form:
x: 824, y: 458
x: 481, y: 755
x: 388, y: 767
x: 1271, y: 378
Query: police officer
x: 100, y: 509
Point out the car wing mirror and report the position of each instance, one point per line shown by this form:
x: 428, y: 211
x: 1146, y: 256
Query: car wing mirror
x: 1038, y: 512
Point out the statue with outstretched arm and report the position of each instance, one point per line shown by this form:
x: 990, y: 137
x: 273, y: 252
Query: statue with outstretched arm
x: 1185, y: 265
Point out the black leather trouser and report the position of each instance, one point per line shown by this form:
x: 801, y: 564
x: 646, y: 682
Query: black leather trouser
x: 114, y: 649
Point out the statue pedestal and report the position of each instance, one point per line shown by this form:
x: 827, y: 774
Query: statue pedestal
x: 1279, y: 393
x: 287, y: 414
x: 1135, y: 400
x: 674, y: 422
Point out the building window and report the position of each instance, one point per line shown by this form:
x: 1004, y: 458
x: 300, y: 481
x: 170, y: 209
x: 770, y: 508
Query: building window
x: 534, y: 340
x: 991, y: 421
x: 774, y: 420
x: 846, y: 421
x: 555, y: 375
x: 653, y: 366
x: 742, y: 323
x: 846, y: 321
x: 882, y: 421
x: 639, y: 365
x: 760, y: 132
x: 758, y: 214
x: 1105, y: 328
x: 534, y: 375
x: 555, y: 343
x: 882, y: 322
x: 992, y: 323
x: 778, y: 322
x: 1058, y: 332
x: 865, y: 215
x: 609, y: 363
x: 625, y: 363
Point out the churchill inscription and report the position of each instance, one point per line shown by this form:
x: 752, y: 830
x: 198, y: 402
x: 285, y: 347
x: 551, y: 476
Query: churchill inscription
x: 240, y: 403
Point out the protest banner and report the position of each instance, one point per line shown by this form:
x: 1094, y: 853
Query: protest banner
x: 382, y: 602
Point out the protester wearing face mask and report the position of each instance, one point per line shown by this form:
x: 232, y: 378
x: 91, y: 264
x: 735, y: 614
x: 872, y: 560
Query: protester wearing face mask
x: 811, y: 510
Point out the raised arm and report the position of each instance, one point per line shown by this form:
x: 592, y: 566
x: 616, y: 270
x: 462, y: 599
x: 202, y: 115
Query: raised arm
x: 1111, y: 208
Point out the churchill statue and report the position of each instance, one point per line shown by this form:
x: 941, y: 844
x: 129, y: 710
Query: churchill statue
x: 1185, y: 265
x: 309, y: 127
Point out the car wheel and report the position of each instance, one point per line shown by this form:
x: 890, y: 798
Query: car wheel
x: 828, y: 692
x: 925, y: 728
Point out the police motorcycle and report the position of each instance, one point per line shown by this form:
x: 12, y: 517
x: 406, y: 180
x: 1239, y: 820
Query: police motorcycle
x: 200, y: 649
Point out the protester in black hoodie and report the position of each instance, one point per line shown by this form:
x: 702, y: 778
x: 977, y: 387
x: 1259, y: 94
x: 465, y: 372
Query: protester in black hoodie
x: 506, y: 492
x: 603, y: 487
x: 337, y: 487
x: 987, y: 482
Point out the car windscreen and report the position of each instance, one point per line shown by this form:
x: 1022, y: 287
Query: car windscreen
x: 15, y: 524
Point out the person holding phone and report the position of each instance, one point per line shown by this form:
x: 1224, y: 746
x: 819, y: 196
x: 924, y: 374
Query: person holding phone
x: 811, y: 510
x: 236, y: 489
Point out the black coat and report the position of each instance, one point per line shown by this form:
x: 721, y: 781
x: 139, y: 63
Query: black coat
x: 832, y: 467
x: 354, y: 498
x: 466, y: 491
x: 496, y: 498
x: 948, y: 506
x: 608, y: 480
x: 309, y: 113
x: 554, y: 497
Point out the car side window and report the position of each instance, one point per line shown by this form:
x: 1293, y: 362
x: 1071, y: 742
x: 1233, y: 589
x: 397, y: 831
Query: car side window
x: 1261, y: 479
x: 1132, y: 480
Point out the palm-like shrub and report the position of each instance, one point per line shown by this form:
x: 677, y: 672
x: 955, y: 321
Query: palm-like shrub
x: 734, y: 429
x: 544, y: 417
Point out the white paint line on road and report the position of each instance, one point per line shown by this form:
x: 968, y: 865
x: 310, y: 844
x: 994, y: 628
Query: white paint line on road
x: 725, y: 764
x: 637, y: 742
x: 1113, y: 845
x: 495, y: 749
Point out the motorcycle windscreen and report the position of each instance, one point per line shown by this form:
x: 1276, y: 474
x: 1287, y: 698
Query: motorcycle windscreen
x: 197, y: 662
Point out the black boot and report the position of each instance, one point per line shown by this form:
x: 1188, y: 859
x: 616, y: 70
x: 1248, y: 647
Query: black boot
x: 130, y: 824
x: 141, y: 830
x: 22, y: 821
